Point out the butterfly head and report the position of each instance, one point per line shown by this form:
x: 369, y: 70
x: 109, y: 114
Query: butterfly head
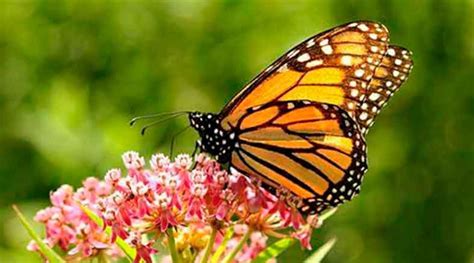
x: 214, y: 139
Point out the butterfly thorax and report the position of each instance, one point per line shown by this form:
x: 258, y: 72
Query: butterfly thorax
x: 214, y: 139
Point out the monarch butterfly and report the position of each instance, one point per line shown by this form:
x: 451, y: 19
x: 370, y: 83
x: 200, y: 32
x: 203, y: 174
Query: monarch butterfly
x: 300, y: 124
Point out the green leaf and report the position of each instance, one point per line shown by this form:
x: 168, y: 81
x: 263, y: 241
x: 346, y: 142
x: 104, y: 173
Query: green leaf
x: 274, y: 250
x: 124, y: 246
x: 319, y: 255
x: 45, y: 249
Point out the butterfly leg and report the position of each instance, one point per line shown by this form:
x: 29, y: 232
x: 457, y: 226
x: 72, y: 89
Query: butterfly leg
x: 196, y: 148
x: 173, y: 139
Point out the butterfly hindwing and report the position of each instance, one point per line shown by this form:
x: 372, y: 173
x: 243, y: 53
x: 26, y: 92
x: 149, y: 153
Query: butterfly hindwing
x: 314, y: 150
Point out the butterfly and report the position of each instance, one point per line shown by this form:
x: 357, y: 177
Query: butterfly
x: 300, y: 125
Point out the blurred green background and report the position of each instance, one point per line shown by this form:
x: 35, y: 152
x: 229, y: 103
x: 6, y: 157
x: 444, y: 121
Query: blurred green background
x: 72, y: 73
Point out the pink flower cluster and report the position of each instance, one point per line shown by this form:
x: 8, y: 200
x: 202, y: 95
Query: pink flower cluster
x: 69, y: 228
x: 192, y: 203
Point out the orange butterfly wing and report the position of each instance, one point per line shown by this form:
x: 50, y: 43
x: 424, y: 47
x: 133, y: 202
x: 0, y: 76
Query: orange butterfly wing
x: 314, y: 150
x: 335, y: 67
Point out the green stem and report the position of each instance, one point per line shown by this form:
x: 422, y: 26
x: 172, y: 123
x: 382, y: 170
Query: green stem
x: 239, y: 247
x: 48, y: 252
x: 210, y: 245
x: 103, y: 258
x: 172, y: 246
x: 221, y: 248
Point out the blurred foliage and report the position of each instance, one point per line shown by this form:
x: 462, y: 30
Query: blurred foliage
x: 72, y: 73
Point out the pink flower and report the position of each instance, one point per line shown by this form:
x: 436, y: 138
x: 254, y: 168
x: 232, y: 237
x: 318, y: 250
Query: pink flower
x: 304, y: 236
x: 257, y: 244
x: 133, y: 161
x: 62, y: 196
x: 149, y: 201
x: 195, y: 209
x: 183, y: 161
x: 144, y: 250
x: 68, y: 227
x: 46, y: 214
x: 256, y: 200
x: 163, y: 217
x: 159, y: 162
x: 112, y: 177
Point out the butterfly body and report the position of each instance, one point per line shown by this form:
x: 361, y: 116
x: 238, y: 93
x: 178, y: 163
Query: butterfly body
x: 299, y: 126
x: 214, y: 139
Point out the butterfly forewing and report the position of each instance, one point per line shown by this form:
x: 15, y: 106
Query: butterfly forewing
x: 314, y: 150
x: 333, y: 67
x: 388, y: 77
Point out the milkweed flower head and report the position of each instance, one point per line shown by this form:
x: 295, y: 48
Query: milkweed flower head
x: 192, y: 203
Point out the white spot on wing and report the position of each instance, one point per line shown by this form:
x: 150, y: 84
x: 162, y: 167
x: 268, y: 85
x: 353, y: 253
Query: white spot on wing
x: 303, y: 58
x: 314, y: 63
x: 346, y: 60
x: 283, y: 68
x: 359, y: 73
x: 363, y: 27
x: 391, y: 52
x: 293, y: 53
x: 374, y: 96
x: 269, y: 68
x: 327, y: 50
x: 354, y: 92
x: 324, y: 42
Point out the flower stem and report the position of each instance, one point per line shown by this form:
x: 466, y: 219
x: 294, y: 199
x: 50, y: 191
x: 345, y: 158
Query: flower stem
x: 102, y: 258
x: 237, y: 248
x: 172, y: 246
x: 221, y: 248
x: 210, y: 245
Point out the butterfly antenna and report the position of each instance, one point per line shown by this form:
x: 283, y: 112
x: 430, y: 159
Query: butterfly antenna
x: 152, y: 116
x: 173, y: 139
x: 159, y: 121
